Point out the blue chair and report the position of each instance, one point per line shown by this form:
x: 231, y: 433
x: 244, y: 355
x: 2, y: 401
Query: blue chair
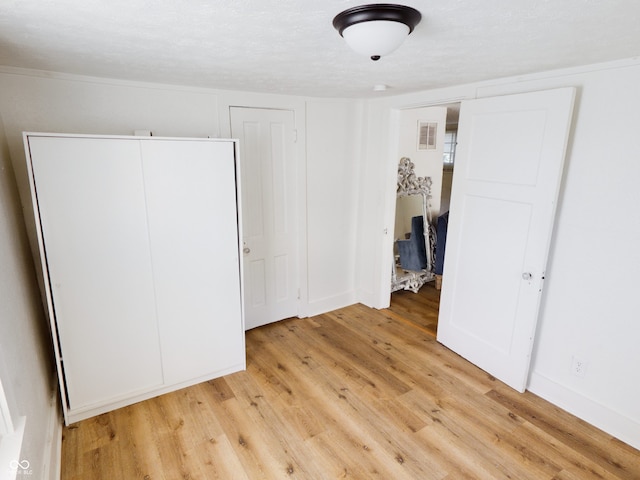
x: 413, y: 252
x: 443, y: 223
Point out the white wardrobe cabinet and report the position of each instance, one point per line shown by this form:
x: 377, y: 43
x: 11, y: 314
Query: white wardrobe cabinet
x: 140, y: 253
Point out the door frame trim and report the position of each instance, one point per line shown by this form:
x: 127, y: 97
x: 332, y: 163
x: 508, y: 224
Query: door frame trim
x: 391, y: 177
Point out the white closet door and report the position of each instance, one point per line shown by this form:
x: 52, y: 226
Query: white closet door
x: 270, y: 224
x: 193, y: 230
x: 92, y: 210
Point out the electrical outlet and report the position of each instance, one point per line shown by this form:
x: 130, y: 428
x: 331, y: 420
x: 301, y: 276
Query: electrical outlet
x: 578, y: 367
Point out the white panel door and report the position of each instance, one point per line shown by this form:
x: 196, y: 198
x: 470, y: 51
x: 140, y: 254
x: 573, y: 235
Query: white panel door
x: 193, y: 232
x: 508, y: 169
x: 269, y: 213
x: 91, y: 200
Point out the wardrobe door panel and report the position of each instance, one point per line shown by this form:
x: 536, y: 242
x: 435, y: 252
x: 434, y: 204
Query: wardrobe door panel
x: 193, y: 230
x: 92, y: 211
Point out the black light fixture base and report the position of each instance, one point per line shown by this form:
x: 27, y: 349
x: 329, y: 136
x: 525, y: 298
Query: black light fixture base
x: 377, y: 11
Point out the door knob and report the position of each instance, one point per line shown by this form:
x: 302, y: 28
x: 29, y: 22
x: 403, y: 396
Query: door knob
x: 246, y: 250
x: 527, y: 276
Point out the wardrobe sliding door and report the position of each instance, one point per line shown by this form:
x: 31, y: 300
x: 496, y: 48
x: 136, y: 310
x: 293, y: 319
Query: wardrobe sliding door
x: 92, y: 211
x: 193, y: 232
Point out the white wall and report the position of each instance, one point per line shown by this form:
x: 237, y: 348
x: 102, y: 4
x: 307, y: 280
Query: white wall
x: 26, y: 363
x: 52, y: 102
x: 332, y: 168
x: 376, y: 214
x: 30, y: 101
x: 590, y: 303
x: 428, y: 163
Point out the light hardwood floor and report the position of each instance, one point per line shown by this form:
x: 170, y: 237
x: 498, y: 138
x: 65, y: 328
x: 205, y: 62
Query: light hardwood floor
x: 356, y: 393
x: 419, y: 309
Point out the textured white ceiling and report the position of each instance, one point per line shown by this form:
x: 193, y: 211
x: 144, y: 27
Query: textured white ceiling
x: 290, y: 46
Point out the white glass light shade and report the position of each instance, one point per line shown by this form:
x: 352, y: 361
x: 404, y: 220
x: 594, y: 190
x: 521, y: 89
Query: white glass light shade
x: 375, y: 38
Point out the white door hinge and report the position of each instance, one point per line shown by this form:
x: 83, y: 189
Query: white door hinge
x: 295, y: 136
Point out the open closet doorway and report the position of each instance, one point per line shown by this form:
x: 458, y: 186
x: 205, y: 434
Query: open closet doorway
x: 428, y: 138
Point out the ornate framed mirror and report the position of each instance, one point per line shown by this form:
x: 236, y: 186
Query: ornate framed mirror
x: 414, y: 233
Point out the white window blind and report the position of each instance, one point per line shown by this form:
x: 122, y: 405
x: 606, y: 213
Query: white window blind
x: 427, y: 135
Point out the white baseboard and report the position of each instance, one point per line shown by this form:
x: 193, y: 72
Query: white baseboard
x: 615, y: 424
x: 10, y: 445
x: 368, y: 299
x: 317, y: 307
x: 52, y: 455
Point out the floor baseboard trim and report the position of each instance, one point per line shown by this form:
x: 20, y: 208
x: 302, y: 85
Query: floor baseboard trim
x: 53, y: 450
x: 10, y: 462
x: 623, y: 428
x: 318, y: 307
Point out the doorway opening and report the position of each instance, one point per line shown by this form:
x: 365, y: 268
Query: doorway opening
x: 422, y: 306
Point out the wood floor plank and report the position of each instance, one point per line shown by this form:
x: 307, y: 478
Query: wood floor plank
x: 418, y: 352
x: 351, y: 411
x: 571, y: 461
x: 351, y: 394
x: 216, y: 459
x: 420, y: 309
x: 268, y: 411
x: 137, y: 433
x: 474, y: 436
x: 571, y: 431
x: 463, y: 454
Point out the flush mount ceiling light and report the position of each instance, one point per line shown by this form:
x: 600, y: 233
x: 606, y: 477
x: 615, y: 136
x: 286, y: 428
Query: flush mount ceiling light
x: 377, y: 29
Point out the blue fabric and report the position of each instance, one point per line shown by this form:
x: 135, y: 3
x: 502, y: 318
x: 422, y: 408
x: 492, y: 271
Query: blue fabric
x: 441, y: 231
x: 413, y: 252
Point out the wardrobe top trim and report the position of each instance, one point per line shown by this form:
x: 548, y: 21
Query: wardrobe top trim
x: 125, y: 137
